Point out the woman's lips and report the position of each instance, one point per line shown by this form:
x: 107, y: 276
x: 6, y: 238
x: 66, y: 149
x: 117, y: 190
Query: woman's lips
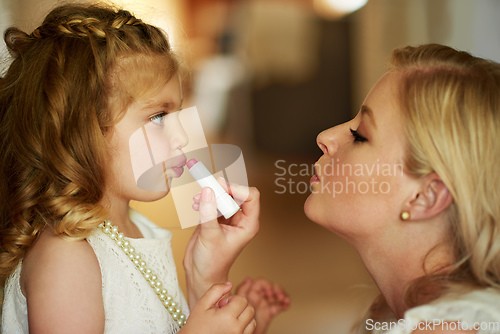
x: 315, y: 177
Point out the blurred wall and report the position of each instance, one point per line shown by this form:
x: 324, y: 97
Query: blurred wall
x: 383, y: 25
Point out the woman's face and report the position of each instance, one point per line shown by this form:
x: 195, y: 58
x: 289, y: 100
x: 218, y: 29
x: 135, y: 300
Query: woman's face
x: 360, y: 183
x: 152, y: 121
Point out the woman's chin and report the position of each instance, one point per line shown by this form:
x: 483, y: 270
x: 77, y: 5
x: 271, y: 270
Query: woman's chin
x: 309, y: 209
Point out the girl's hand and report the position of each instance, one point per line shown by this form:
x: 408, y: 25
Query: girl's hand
x: 215, y: 245
x: 267, y: 298
x: 207, y: 317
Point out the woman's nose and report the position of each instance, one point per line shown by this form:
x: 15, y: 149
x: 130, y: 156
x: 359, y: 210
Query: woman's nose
x: 328, y: 141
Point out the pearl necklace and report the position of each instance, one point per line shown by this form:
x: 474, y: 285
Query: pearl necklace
x: 167, y: 300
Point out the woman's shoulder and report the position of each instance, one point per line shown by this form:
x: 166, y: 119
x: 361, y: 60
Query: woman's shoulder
x: 480, y: 303
x: 64, y: 274
x: 467, y: 312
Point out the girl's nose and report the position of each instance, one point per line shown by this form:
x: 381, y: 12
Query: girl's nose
x: 178, y: 137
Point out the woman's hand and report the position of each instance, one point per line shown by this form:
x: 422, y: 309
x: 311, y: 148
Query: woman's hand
x: 216, y: 244
x: 208, y: 318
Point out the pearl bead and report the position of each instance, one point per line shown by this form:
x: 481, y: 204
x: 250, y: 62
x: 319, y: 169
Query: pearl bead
x: 151, y: 278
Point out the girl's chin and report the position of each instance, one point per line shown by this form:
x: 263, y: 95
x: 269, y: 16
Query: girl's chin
x: 151, y: 196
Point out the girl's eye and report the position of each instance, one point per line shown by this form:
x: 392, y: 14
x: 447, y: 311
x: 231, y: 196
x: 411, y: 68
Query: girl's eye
x: 357, y: 137
x: 158, y: 119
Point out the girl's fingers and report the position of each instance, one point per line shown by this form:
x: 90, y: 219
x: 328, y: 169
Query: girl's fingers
x: 247, y: 315
x: 251, y: 327
x: 244, y: 287
x: 239, y: 192
x: 213, y: 294
x: 208, y: 208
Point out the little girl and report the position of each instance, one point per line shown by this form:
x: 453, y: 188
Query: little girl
x: 74, y: 257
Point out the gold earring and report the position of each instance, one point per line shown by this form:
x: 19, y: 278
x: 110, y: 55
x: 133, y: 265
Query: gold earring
x: 405, y: 215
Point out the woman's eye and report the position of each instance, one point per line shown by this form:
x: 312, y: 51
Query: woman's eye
x: 158, y: 119
x: 357, y: 137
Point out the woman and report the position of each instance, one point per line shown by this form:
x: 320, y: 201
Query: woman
x: 412, y: 182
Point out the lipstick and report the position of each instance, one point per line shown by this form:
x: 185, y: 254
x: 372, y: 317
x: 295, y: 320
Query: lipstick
x: 225, y: 203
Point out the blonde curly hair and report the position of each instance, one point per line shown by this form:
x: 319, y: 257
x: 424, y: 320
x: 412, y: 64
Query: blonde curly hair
x: 56, y: 103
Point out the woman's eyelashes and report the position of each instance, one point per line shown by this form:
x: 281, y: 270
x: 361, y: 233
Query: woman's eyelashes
x: 357, y: 137
x: 158, y: 118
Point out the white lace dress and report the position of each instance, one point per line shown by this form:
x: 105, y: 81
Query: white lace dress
x: 479, y: 309
x: 130, y: 304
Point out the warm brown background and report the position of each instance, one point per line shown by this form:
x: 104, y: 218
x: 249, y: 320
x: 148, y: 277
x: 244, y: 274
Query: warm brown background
x: 303, y: 70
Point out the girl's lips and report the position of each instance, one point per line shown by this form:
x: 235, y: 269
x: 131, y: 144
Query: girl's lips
x: 178, y: 170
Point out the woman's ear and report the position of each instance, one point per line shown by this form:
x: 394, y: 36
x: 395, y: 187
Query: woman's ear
x: 432, y: 199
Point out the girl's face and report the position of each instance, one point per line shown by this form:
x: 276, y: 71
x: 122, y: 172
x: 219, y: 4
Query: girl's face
x: 360, y: 184
x: 147, y: 113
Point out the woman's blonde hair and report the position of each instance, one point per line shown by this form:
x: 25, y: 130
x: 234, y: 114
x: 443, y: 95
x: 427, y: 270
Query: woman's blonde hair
x: 451, y: 106
x: 56, y: 103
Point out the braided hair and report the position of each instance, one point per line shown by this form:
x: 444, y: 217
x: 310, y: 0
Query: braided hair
x: 56, y: 103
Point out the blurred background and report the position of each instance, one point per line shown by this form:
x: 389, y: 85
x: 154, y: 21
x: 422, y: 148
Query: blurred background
x: 268, y: 76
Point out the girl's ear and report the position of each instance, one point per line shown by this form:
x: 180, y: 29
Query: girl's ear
x: 432, y: 199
